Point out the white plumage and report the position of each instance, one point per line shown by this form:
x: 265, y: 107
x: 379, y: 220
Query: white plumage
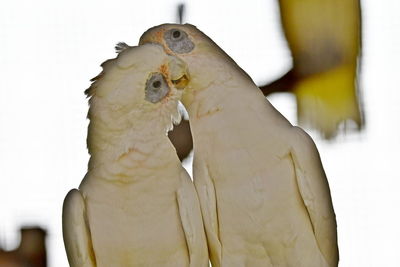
x: 263, y: 192
x: 136, y: 205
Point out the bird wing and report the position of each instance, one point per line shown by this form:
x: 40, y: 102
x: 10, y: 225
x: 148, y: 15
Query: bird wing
x: 314, y: 190
x: 77, y: 240
x: 208, y: 203
x: 189, y: 211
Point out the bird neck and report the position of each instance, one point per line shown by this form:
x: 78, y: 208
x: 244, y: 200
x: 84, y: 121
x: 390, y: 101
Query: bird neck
x: 222, y: 89
x: 227, y: 101
x: 215, y: 76
x: 119, y: 141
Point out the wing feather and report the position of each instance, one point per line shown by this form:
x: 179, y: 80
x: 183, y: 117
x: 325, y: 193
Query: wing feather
x: 189, y: 210
x: 77, y: 240
x: 314, y: 189
x: 208, y: 203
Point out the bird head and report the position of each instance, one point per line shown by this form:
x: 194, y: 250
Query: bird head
x: 141, y: 84
x: 207, y: 63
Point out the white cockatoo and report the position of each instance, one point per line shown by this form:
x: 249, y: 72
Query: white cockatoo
x: 136, y: 205
x: 264, y: 196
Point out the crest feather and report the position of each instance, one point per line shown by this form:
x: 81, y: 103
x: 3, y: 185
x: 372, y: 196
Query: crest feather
x: 105, y: 65
x: 90, y: 91
x: 121, y: 46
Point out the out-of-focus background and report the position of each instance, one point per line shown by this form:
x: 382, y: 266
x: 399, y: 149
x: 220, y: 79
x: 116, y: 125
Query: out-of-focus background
x: 50, y: 49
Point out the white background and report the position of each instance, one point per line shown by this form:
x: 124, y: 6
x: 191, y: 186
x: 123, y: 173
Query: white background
x: 50, y: 49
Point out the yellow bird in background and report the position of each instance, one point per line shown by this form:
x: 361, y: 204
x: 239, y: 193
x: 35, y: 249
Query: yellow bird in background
x: 324, y: 37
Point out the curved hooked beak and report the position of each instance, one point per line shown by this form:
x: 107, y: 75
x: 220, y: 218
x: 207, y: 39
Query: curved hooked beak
x: 178, y: 72
x: 182, y: 82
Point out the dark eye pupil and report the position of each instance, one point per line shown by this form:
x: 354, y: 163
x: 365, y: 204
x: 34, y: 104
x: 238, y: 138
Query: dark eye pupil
x: 156, y: 84
x: 176, y: 34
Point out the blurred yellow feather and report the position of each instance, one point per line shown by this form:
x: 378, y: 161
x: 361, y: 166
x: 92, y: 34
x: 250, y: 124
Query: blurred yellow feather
x: 324, y: 37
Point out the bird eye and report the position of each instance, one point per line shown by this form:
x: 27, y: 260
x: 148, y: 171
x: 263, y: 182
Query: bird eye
x: 156, y: 88
x: 156, y: 84
x: 176, y: 34
x: 178, y: 41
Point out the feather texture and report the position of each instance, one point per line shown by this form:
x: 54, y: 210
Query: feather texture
x: 126, y: 210
x: 261, y: 206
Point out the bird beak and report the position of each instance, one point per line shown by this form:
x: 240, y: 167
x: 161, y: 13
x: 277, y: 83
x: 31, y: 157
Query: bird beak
x: 177, y: 68
x: 178, y: 72
x: 182, y: 82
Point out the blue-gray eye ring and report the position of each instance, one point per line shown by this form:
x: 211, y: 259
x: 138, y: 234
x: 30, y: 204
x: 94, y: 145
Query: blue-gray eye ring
x: 156, y: 88
x: 178, y: 41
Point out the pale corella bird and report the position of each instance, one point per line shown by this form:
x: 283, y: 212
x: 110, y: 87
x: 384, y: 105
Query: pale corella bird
x: 136, y: 205
x: 263, y: 192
